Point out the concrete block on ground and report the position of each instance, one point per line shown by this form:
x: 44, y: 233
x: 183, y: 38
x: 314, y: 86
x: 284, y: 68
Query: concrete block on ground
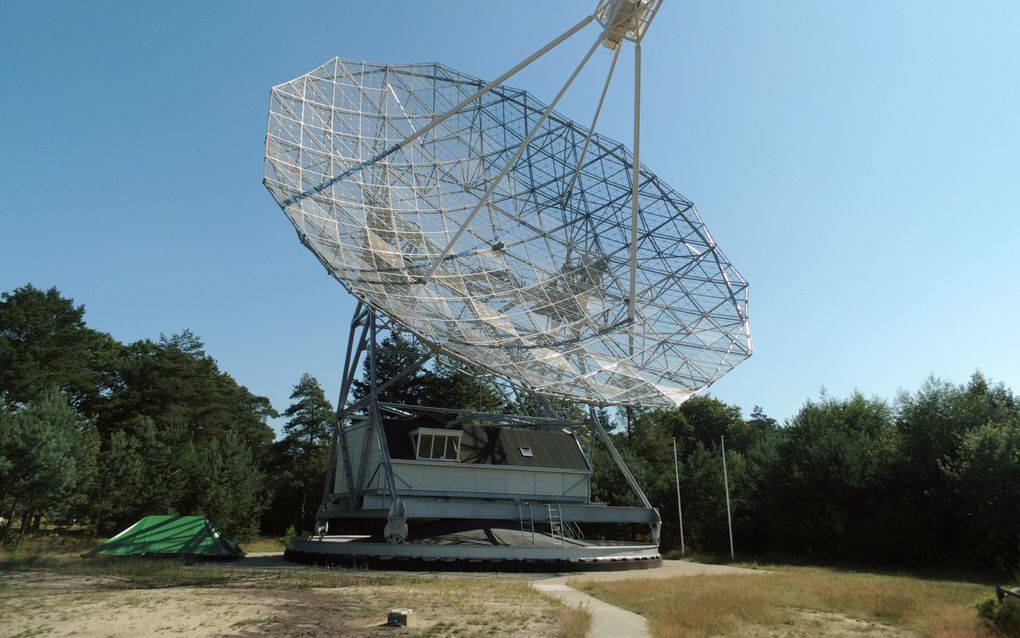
x: 400, y: 617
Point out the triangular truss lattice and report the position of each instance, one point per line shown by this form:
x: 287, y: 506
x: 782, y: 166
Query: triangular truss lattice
x: 536, y: 288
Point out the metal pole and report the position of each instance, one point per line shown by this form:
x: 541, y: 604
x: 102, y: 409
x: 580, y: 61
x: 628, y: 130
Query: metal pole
x: 591, y: 129
x: 509, y: 166
x: 726, y: 482
x: 679, y: 507
x: 613, y: 452
x: 491, y: 85
x: 439, y: 119
x: 636, y: 185
x: 376, y: 415
x: 339, y: 436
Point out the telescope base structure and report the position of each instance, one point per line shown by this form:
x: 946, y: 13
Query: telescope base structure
x: 445, y: 488
x: 474, y: 535
x: 545, y: 554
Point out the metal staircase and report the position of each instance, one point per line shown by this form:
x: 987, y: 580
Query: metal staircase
x: 527, y: 518
x: 556, y: 522
x: 573, y: 530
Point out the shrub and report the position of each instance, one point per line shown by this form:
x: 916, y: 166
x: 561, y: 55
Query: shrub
x: 1002, y: 616
x: 288, y: 536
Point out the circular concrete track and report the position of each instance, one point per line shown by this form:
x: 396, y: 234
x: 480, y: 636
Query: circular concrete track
x: 371, y: 558
x: 470, y: 546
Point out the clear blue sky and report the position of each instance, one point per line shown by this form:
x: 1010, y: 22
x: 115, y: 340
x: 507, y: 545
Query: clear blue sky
x: 858, y: 162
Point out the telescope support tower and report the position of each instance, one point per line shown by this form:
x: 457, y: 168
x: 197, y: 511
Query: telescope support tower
x: 374, y: 485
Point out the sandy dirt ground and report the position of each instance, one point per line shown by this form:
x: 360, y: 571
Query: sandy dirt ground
x: 46, y: 603
x: 62, y: 606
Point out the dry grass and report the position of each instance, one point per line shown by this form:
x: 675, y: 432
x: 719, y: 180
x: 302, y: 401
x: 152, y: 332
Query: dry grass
x: 126, y: 597
x: 798, y: 601
x: 263, y: 544
x: 51, y: 542
x: 78, y: 542
x: 572, y: 622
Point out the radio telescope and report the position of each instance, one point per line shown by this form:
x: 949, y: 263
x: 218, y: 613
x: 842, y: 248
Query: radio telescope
x: 503, y: 235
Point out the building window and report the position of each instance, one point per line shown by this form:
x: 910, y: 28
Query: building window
x: 526, y: 451
x: 433, y: 444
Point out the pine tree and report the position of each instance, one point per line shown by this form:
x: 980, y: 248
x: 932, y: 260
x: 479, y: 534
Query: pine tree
x: 45, y: 344
x: 301, y: 457
x: 310, y: 416
x: 38, y: 464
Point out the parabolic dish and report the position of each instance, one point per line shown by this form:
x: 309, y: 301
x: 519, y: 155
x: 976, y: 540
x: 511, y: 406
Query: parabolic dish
x: 537, y: 287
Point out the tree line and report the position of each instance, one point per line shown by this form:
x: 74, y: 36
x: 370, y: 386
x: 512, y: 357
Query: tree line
x: 930, y: 479
x: 97, y: 433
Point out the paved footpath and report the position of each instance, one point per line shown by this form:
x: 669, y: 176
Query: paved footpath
x: 609, y: 621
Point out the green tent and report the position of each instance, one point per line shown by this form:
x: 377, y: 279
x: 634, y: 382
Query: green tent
x: 190, y: 536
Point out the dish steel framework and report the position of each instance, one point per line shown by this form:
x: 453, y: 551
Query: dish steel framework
x: 503, y: 234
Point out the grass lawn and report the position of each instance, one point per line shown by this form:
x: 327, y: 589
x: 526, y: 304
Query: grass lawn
x: 801, y: 601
